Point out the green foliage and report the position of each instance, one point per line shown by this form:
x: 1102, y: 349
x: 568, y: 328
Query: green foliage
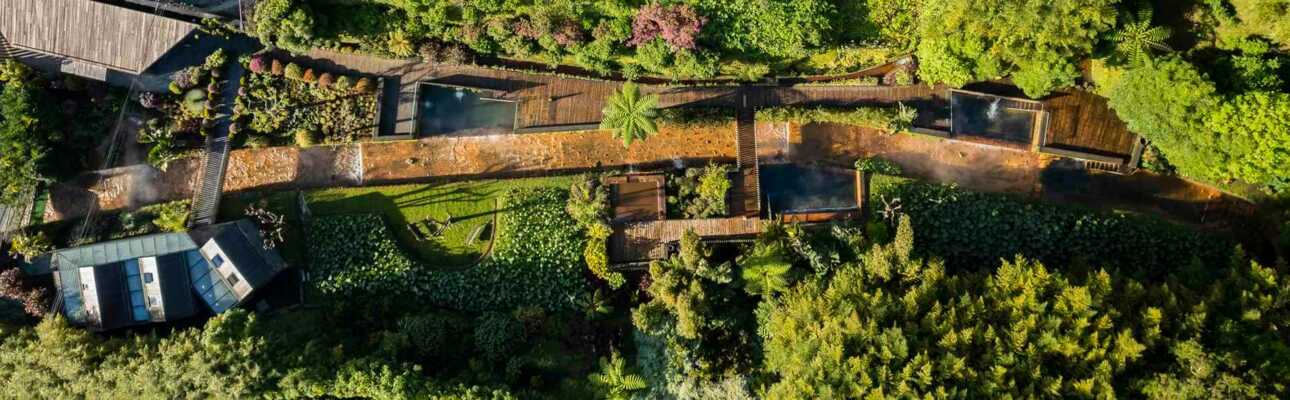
x: 1254, y: 132
x: 293, y: 71
x: 169, y: 217
x: 766, y: 269
x: 614, y: 380
x: 536, y: 260
x: 497, y: 334
x: 694, y: 310
x: 888, y: 119
x: 1166, y: 101
x: 216, y: 60
x: 284, y: 107
x: 702, y: 192
x: 1038, y: 41
x: 877, y: 165
x: 972, y: 229
x: 1136, y: 38
x: 305, y: 138
x: 589, y: 206
x: 27, y: 133
x: 31, y: 244
x: 895, y: 325
x: 630, y: 115
x: 697, y: 117
x: 286, y: 24
x: 775, y: 28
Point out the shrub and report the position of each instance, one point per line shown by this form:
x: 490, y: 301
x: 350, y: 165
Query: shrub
x: 305, y: 137
x: 187, y: 78
x: 697, y: 117
x: 364, y: 85
x: 326, y: 79
x: 432, y: 51
x: 216, y: 60
x: 293, y: 71
x: 258, y: 141
x: 309, y: 76
x: 889, y: 119
x: 344, y: 83
x: 701, y: 192
x: 458, y: 54
x: 676, y: 24
x: 277, y: 68
x: 259, y: 64
x: 497, y: 335
x: 30, y: 245
x: 877, y: 166
x: 150, y: 100
x: 976, y: 229
x: 169, y: 217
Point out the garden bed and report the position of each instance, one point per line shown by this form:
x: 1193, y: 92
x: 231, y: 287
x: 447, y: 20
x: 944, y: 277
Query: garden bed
x: 469, y: 205
x: 287, y: 104
x: 537, y: 260
x: 972, y: 229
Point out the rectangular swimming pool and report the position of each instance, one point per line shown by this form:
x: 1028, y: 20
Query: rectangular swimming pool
x: 452, y: 110
x: 793, y: 188
x: 991, y: 117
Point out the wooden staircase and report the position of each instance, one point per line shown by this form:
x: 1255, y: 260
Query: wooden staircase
x: 747, y: 183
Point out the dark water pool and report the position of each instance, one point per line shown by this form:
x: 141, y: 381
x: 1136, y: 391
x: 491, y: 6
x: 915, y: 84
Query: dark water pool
x: 445, y: 110
x: 790, y: 187
x: 990, y: 117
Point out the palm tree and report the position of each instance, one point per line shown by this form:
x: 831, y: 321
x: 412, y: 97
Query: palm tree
x: 614, y: 380
x: 630, y: 115
x: 1137, y: 38
x: 766, y: 269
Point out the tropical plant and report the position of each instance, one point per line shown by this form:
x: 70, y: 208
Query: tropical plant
x: 399, y: 44
x: 1136, y: 38
x: 172, y: 216
x: 630, y: 115
x: 30, y: 245
x: 614, y: 381
x: 766, y: 269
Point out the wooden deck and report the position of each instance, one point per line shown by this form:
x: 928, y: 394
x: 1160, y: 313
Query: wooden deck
x: 1082, y: 121
x: 550, y: 100
x: 645, y: 241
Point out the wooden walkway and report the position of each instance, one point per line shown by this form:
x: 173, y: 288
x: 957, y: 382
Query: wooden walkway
x: 645, y: 241
x: 551, y: 100
x: 1082, y: 121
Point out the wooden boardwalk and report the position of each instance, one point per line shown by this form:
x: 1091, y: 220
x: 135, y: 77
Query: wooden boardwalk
x: 645, y: 241
x: 550, y: 100
x: 1082, y: 121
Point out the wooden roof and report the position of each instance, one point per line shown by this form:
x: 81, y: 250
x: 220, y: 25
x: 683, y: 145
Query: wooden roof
x: 83, y: 30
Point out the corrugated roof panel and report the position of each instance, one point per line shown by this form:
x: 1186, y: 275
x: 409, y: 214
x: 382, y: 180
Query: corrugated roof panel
x: 124, y: 249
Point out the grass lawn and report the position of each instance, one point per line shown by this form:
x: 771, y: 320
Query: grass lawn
x: 471, y: 205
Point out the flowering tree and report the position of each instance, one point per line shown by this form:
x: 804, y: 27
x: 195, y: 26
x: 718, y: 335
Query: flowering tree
x: 677, y: 24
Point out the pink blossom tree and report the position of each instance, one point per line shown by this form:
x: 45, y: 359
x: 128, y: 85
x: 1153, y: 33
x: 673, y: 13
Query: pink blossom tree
x: 677, y: 24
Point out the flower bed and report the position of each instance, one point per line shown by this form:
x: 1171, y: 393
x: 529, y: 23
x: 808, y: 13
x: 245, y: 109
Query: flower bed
x: 284, y: 104
x: 537, y: 260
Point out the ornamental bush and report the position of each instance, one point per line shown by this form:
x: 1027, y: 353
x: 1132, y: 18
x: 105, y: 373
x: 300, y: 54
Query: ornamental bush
x: 676, y: 24
x: 293, y: 71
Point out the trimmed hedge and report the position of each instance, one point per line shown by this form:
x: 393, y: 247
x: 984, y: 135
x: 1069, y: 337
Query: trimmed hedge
x: 889, y: 119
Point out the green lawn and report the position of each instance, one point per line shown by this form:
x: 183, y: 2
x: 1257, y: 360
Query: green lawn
x: 470, y: 204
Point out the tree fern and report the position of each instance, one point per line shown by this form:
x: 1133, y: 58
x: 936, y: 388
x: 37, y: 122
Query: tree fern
x: 630, y: 115
x: 1136, y: 38
x: 614, y: 380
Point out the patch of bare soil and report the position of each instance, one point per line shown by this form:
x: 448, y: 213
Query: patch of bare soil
x: 969, y: 165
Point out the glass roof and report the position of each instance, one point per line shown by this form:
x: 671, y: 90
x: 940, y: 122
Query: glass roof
x: 124, y: 249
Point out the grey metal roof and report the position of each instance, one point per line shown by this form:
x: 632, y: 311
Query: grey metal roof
x: 242, y: 243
